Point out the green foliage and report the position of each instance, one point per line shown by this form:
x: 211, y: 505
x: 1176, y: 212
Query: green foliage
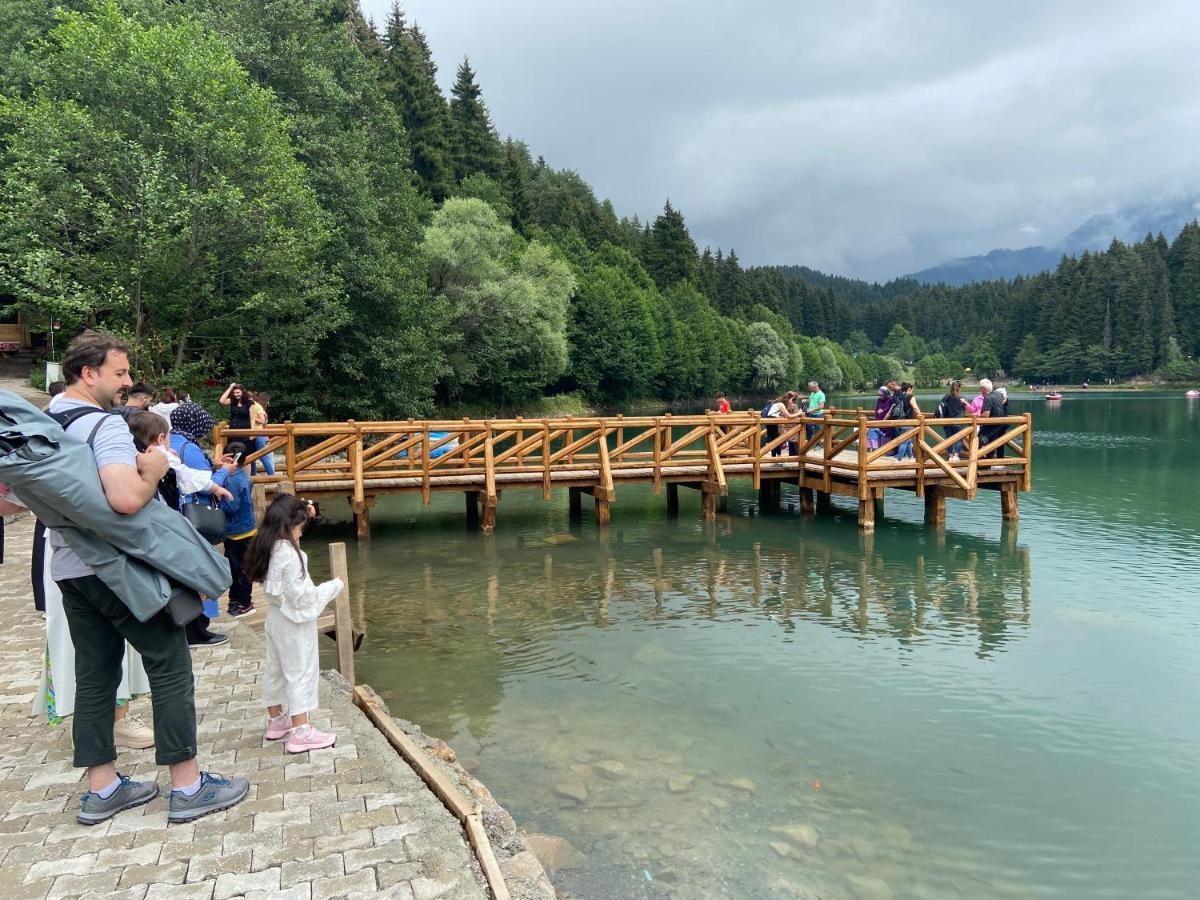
x: 979, y: 355
x: 769, y: 356
x: 474, y: 146
x: 148, y: 185
x: 934, y: 369
x: 506, y: 301
x: 669, y: 253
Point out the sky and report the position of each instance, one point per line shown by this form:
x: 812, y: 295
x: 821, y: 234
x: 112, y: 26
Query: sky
x: 868, y: 139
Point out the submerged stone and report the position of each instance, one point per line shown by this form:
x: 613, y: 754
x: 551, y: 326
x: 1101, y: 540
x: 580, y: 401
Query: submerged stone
x: 742, y: 784
x: 573, y: 789
x: 554, y: 852
x: 804, y: 836
x: 611, y: 768
x: 677, y: 784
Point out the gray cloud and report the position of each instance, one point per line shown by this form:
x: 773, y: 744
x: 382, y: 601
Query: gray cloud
x: 870, y: 139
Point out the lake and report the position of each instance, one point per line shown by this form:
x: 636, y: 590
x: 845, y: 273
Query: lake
x: 779, y: 706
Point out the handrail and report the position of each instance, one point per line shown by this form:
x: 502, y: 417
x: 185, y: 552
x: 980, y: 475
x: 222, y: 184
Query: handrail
x: 597, y: 451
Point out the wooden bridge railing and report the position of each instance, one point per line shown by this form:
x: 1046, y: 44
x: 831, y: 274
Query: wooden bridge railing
x: 361, y: 459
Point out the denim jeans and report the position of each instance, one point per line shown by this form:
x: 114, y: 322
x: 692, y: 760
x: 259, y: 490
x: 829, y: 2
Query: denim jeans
x: 268, y: 461
x: 957, y: 446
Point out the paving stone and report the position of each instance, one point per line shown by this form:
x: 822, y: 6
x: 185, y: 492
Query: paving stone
x: 75, y: 865
x: 147, y: 875
x: 324, y: 888
x: 236, y: 885
x: 358, y: 859
x: 203, y: 868
x: 74, y: 885
x: 354, y: 840
x: 307, y: 870
x: 201, y: 891
x: 397, y: 873
x: 137, y: 856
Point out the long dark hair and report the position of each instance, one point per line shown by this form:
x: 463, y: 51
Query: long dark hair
x: 284, y: 514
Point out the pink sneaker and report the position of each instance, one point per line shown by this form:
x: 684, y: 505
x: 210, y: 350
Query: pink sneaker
x: 307, y: 738
x: 278, y: 727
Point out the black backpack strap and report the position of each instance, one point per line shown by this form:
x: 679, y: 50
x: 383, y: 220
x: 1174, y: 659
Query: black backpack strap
x: 65, y: 419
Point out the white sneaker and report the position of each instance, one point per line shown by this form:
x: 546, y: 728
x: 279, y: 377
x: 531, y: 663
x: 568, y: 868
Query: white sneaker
x: 133, y: 734
x: 953, y: 457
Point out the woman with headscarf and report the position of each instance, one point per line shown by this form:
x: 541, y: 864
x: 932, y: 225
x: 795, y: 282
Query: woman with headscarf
x: 190, y: 424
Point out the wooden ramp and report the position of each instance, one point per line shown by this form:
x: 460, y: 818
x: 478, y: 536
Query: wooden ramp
x: 837, y: 454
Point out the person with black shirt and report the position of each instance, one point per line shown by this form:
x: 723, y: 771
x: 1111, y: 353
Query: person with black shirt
x: 237, y: 398
x: 953, y: 406
x: 993, y: 408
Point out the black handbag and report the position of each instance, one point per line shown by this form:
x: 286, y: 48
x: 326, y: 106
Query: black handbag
x: 183, y: 606
x: 207, y: 518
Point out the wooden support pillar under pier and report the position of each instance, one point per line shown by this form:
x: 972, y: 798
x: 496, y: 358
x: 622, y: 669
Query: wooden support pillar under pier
x: 806, y: 500
x: 879, y: 505
x: 472, y: 498
x: 672, y: 500
x: 935, y: 506
x: 708, y: 506
x: 576, y: 503
x: 723, y: 503
x: 1008, y: 504
x: 603, y: 514
x: 362, y: 521
x: 488, y: 522
x: 768, y: 497
x: 866, y: 514
x: 825, y: 502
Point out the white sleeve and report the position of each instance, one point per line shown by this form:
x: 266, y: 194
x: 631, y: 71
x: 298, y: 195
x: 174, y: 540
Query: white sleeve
x: 190, y: 481
x: 303, y: 601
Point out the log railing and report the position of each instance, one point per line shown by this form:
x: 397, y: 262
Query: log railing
x: 362, y: 458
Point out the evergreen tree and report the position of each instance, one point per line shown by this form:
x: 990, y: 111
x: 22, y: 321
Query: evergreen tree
x: 408, y: 77
x: 669, y: 252
x: 474, y: 146
x: 516, y: 183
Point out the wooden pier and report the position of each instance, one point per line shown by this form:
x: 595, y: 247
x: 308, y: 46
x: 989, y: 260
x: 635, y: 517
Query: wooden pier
x: 483, y: 458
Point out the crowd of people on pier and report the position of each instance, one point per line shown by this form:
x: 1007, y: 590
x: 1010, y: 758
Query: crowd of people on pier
x: 895, y: 402
x: 127, y: 586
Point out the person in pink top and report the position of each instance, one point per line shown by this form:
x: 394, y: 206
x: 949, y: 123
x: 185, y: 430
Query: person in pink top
x: 975, y: 407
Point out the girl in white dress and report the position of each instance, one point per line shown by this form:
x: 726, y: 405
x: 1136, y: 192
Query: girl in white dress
x: 294, y: 604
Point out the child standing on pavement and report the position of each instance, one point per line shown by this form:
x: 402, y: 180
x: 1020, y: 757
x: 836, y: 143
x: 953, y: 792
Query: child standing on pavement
x: 239, y: 524
x: 294, y: 604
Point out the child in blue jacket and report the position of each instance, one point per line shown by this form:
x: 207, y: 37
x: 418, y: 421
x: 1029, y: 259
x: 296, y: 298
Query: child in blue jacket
x: 240, y: 526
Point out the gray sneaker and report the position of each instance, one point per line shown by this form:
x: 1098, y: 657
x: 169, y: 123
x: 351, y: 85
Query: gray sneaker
x: 216, y: 793
x: 94, y: 809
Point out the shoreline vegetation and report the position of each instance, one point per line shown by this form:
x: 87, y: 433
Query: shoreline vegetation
x: 278, y: 193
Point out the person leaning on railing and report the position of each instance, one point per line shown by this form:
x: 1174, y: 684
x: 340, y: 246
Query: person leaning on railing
x: 953, y: 406
x: 993, y: 408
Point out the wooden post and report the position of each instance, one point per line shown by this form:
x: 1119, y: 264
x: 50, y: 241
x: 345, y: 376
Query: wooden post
x: 879, y: 504
x: 286, y: 487
x: 708, y: 505
x: 824, y: 502
x: 866, y: 514
x: 576, y: 500
x: 768, y: 500
x: 603, y: 514
x: 362, y: 522
x: 341, y: 612
x: 488, y: 525
x: 1027, y: 478
x: 672, y: 500
x: 935, y: 506
x: 260, y: 501
x: 472, y: 508
x: 723, y: 503
x: 806, y: 500
x: 1008, y: 504
x: 290, y: 462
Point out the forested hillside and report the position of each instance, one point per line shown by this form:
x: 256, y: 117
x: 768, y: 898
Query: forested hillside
x: 278, y: 191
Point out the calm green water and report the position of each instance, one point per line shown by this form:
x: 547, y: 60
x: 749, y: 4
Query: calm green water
x: 987, y: 711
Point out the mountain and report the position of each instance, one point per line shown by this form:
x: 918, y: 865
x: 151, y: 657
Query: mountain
x: 1128, y: 225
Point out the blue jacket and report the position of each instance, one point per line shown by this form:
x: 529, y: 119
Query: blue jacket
x: 192, y: 455
x: 239, y: 512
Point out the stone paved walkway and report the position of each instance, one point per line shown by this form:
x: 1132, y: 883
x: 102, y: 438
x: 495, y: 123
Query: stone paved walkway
x: 346, y: 822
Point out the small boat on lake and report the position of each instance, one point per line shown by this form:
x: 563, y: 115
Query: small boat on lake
x: 1193, y: 395
x: 1055, y: 395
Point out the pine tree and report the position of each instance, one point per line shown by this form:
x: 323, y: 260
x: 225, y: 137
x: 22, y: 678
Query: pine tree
x: 474, y: 146
x: 515, y: 180
x: 408, y: 79
x: 669, y: 253
x: 1184, y: 266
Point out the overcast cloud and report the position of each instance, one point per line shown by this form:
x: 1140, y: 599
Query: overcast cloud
x: 863, y: 138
